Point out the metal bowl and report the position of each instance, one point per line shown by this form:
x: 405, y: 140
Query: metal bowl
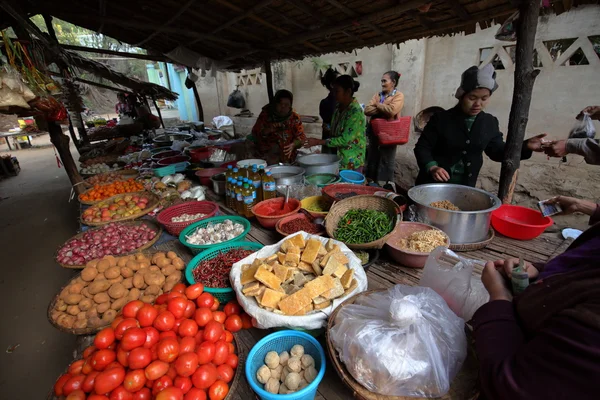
x: 320, y: 164
x: 167, y: 139
x: 287, y: 174
x: 470, y: 225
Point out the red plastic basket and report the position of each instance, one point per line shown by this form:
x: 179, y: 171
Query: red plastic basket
x: 341, y: 191
x: 191, y: 207
x: 391, y: 133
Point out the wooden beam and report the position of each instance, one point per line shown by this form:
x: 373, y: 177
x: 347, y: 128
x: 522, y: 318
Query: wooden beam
x: 167, y: 23
x: 242, y: 16
x: 117, y: 53
x: 352, y: 13
x: 61, y: 143
x: 459, y: 10
x: 269, y: 77
x: 197, y: 97
x: 525, y: 76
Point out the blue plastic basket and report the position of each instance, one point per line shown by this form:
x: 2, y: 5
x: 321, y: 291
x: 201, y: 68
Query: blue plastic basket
x: 350, y: 176
x: 224, y: 295
x: 198, y: 248
x: 284, y: 341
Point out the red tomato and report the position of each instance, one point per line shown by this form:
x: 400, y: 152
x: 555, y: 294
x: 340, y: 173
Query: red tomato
x: 102, y: 358
x: 177, y: 324
x: 190, y: 308
x: 175, y: 295
x: 169, y: 334
x: 228, y: 337
x: 134, y: 380
x: 205, y: 376
x: 88, y: 383
x: 114, y: 364
x: 215, y: 305
x: 203, y: 316
x: 178, y: 288
x: 187, y: 345
x: 194, y: 291
x: 122, y: 357
x: 164, y: 321
x: 219, y: 316
x: 146, y: 315
x: 124, y: 325
x: 205, y: 300
x: 156, y: 369
x: 168, y: 349
x: 76, y: 367
x: 225, y: 373
x: 162, y: 299
x: 233, y: 323
x: 185, y: 384
x: 186, y: 364
x: 231, y: 348
x: 132, y: 338
x: 130, y: 309
x: 108, y: 380
x: 60, y: 382
x: 152, y: 336
x: 149, y: 385
x: 218, y: 391
x: 177, y: 306
x: 87, y: 366
x: 172, y: 372
x: 221, y: 352
x: 97, y: 397
x: 171, y: 393
x: 232, y: 308
x: 76, y: 395
x: 195, y: 394
x: 206, y: 352
x: 121, y: 394
x: 161, y: 384
x: 199, y: 336
x: 213, y: 331
x: 246, y: 321
x: 144, y: 394
x: 188, y: 328
x: 232, y: 361
x: 139, y: 358
x: 88, y: 351
x: 116, y: 321
x: 104, y: 338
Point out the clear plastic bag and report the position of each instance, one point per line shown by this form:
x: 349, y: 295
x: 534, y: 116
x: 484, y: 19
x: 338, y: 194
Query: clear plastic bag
x: 584, y: 128
x: 401, y: 342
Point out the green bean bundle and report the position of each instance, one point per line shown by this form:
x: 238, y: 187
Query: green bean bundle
x: 363, y: 226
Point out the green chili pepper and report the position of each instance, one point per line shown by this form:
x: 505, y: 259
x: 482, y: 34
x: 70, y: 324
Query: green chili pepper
x: 363, y: 226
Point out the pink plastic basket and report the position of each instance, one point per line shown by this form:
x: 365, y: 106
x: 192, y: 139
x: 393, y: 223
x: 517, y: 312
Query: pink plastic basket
x: 191, y: 207
x: 391, y: 133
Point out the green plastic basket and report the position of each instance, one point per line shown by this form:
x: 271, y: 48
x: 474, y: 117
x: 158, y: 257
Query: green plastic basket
x: 322, y: 180
x: 198, y: 248
x: 224, y: 295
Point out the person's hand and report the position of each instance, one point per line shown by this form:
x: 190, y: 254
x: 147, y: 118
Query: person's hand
x: 287, y: 150
x: 310, y: 142
x: 439, y: 174
x: 556, y: 148
x: 536, y: 143
x: 505, y: 267
x: 572, y: 205
x: 594, y: 112
x: 495, y: 283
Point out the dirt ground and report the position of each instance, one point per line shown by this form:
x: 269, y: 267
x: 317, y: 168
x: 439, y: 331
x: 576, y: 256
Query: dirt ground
x: 35, y: 218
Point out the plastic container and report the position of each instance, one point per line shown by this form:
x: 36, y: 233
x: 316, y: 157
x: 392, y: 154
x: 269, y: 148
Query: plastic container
x: 171, y: 169
x: 163, y: 162
x: 353, y: 177
x: 198, y: 248
x: 520, y: 223
x: 322, y: 180
x: 250, y: 162
x: 307, y: 202
x: 190, y: 207
x: 269, y: 221
x: 284, y: 341
x: 224, y: 295
x: 207, y: 173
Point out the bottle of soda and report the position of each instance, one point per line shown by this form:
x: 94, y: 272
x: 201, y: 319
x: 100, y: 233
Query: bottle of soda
x: 249, y: 200
x: 239, y: 199
x: 268, y: 186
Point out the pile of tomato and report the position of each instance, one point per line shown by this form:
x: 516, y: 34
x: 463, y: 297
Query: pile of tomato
x: 101, y: 192
x: 180, y: 348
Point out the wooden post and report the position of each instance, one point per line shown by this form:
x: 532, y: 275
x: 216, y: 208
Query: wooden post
x: 519, y: 112
x: 61, y: 142
x: 72, y: 133
x: 158, y: 111
x: 197, y: 97
x: 269, y: 74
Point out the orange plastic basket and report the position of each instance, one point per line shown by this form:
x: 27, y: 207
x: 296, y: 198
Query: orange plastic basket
x: 391, y: 133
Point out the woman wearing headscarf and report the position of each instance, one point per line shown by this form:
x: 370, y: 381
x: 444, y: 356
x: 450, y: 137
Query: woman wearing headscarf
x: 327, y: 106
x: 278, y: 131
x: 452, y: 144
x: 386, y: 104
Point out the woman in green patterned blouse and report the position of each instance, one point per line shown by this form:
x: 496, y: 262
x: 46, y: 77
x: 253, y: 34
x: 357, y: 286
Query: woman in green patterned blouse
x: 348, y: 125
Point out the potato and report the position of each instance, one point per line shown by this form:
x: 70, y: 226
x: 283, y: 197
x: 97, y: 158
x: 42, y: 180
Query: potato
x: 134, y: 294
x: 81, y: 315
x: 102, y: 297
x: 119, y: 303
x: 99, y: 286
x: 92, y: 263
x: 127, y: 283
x: 112, y: 272
x: 168, y: 286
x: 112, y: 260
x: 168, y: 270
x: 92, y: 312
x: 55, y: 314
x: 73, y: 310
x: 61, y: 318
x: 178, y: 264
x: 78, y: 280
x: 174, y: 277
x: 133, y: 265
x: 103, y: 265
x: 158, y: 255
x: 154, y: 278
x: 95, y: 322
x: 144, y: 265
x: 172, y: 255
x: 89, y: 273
x: 118, y: 279
x: 80, y: 324
x: 141, y: 257
x: 138, y: 281
x: 64, y: 293
x: 99, y: 277
x: 86, y: 292
x: 153, y: 268
x: 68, y: 321
x: 163, y: 262
x: 73, y: 299
x: 152, y: 290
x: 60, y: 305
x: 148, y: 299
x: 109, y: 316
x: 102, y: 307
x: 75, y: 288
x: 85, y: 304
x: 126, y: 272
x: 116, y: 291
x: 122, y: 261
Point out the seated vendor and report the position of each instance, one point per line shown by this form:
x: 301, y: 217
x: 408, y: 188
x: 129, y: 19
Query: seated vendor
x: 145, y: 116
x: 278, y: 132
x: 451, y: 147
x: 545, y: 342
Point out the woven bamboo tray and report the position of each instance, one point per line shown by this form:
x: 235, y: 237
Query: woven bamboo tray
x: 339, y: 209
x: 152, y: 204
x: 91, y: 203
x: 127, y: 173
x: 151, y: 224
x: 463, y: 387
x: 475, y: 246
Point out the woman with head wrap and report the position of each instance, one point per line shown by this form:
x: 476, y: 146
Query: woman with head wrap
x: 327, y: 106
x: 451, y: 147
x: 278, y: 131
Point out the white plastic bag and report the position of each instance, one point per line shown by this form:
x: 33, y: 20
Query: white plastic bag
x: 221, y: 121
x: 264, y: 319
x: 451, y: 276
x: 584, y: 128
x: 401, y: 342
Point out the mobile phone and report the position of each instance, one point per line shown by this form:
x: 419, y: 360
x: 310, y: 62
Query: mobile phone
x: 548, y: 209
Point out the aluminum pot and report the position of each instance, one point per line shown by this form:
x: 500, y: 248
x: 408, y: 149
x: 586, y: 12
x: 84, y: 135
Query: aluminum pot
x: 470, y: 225
x: 287, y: 174
x: 319, y: 164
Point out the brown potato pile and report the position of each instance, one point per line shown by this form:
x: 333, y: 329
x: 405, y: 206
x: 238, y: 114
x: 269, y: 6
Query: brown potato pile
x: 93, y: 299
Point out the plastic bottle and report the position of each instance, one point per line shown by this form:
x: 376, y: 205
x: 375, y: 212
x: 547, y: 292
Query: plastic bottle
x: 519, y: 278
x: 257, y: 183
x: 249, y: 200
x: 239, y: 199
x: 232, y: 198
x: 227, y: 189
x: 269, y: 187
x: 236, y: 173
x: 229, y: 172
x: 244, y: 171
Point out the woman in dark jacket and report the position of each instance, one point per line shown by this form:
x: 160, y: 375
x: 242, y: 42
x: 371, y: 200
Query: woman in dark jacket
x: 327, y: 107
x: 451, y: 147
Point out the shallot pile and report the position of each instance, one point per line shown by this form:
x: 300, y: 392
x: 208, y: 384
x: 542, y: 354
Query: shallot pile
x: 216, y: 233
x: 111, y: 239
x: 187, y: 217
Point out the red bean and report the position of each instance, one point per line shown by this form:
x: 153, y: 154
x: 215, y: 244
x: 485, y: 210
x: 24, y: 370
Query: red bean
x: 299, y: 224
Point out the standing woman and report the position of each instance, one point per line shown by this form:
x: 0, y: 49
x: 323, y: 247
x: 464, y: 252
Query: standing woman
x: 452, y: 144
x: 386, y: 104
x: 327, y: 106
x: 348, y: 126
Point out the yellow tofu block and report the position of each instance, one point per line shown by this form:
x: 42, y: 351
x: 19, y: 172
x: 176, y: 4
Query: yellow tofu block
x: 295, y: 302
x: 280, y: 271
x: 340, y: 271
x: 246, y: 266
x: 319, y: 285
x: 329, y: 245
x: 321, y: 251
x: 327, y: 256
x: 267, y: 278
x: 250, y: 287
x: 317, y: 268
x: 304, y: 266
x: 311, y: 251
x: 290, y: 273
x: 293, y: 249
x: 353, y: 285
x: 346, y: 279
x: 271, y: 298
x: 332, y: 265
x: 305, y: 310
x: 298, y: 241
x: 271, y: 259
x: 322, y: 305
x: 340, y: 257
x: 281, y: 257
x: 257, y: 262
x: 291, y: 259
x: 336, y: 292
x: 248, y: 275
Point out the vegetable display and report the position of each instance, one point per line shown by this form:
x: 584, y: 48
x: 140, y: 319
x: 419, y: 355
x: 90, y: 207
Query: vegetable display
x: 214, y: 273
x: 363, y: 226
x: 104, y: 178
x: 187, y: 217
x: 119, y: 208
x: 101, y: 192
x: 216, y: 233
x: 97, y: 168
x: 286, y: 373
x: 111, y: 239
x: 93, y: 299
x: 182, y: 346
